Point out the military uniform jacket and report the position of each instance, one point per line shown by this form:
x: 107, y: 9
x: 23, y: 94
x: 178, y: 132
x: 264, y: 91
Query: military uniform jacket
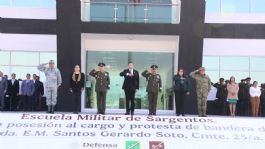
x: 102, y: 80
x: 243, y: 93
x: 221, y: 91
x: 154, y: 83
x: 53, y: 76
x: 203, y: 83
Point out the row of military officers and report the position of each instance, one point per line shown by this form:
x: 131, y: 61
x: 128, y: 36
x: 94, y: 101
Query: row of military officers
x: 130, y: 86
x: 154, y: 86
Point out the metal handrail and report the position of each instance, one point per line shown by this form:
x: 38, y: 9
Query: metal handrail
x: 146, y: 6
x: 129, y: 3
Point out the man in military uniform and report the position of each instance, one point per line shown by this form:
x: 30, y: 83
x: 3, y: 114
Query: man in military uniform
x: 53, y: 81
x: 242, y: 98
x: 248, y: 98
x: 154, y: 85
x: 102, y: 85
x: 221, y: 96
x: 203, y: 87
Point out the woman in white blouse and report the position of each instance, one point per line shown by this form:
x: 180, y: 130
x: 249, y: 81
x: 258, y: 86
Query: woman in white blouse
x: 255, y: 93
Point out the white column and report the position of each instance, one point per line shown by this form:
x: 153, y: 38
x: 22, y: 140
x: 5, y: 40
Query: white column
x: 175, y: 13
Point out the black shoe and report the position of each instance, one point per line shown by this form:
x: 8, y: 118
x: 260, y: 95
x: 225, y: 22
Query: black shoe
x: 183, y: 114
x: 127, y: 113
x: 177, y: 114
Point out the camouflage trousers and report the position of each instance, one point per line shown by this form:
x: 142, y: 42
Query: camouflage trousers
x: 51, y: 96
x: 202, y: 103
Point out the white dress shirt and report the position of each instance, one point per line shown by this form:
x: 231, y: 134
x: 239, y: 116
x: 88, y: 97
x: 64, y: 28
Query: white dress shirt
x: 13, y: 80
x: 254, y: 91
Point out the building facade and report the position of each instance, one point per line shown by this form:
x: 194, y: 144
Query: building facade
x: 225, y: 36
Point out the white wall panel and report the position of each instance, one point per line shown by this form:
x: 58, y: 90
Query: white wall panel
x: 240, y: 18
x: 28, y: 42
x: 27, y: 12
x: 111, y: 42
x: 234, y: 47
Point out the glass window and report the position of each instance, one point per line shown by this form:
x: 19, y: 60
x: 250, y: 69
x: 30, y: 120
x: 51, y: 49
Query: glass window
x: 5, y: 70
x: 159, y: 14
x: 211, y: 62
x: 48, y: 3
x: 258, y: 76
x: 117, y: 62
x: 258, y: 6
x: 97, y: 14
x: 214, y: 75
x: 4, y: 2
x: 234, y: 63
x: 235, y: 66
x: 213, y: 6
x: 237, y: 74
x: 42, y: 77
x: 129, y: 12
x: 25, y: 58
x: 21, y: 71
x: 257, y: 64
x: 27, y: 3
x: 5, y: 57
x: 46, y: 57
x: 235, y: 6
x: 137, y: 13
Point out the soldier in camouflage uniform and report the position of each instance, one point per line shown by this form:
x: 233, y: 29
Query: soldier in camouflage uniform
x: 53, y: 81
x: 102, y: 85
x: 203, y: 86
x: 154, y: 85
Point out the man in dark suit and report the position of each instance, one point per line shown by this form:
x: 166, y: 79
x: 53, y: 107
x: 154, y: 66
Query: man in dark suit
x: 27, y: 91
x: 41, y: 90
x: 130, y: 85
x: 13, y: 91
x: 3, y: 89
x: 38, y: 92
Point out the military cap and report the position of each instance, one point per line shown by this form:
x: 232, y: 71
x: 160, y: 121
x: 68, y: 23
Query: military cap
x: 101, y: 64
x: 51, y: 62
x: 154, y: 67
x: 248, y: 78
x: 201, y: 68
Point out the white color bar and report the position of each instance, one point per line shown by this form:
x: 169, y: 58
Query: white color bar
x: 241, y: 18
x: 234, y: 47
x: 28, y: 42
x: 27, y: 12
x: 137, y: 43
